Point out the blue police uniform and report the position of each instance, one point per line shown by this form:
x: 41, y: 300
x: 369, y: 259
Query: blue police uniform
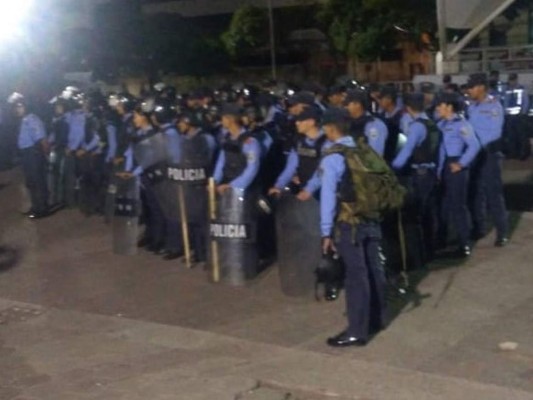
x: 76, y: 120
x: 487, y: 118
x: 252, y: 152
x: 34, y: 163
x: 376, y: 133
x: 419, y: 161
x: 293, y: 161
x: 365, y: 277
x: 174, y: 238
x: 112, y: 144
x: 460, y: 145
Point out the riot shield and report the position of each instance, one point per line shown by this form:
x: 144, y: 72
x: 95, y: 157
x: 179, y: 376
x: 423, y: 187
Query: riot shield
x: 150, y: 151
x: 126, y: 215
x: 298, y: 240
x: 111, y: 190
x: 234, y: 230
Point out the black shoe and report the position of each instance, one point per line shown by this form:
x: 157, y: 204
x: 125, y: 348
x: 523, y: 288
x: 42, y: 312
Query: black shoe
x: 464, y: 251
x: 38, y: 215
x: 343, y: 339
x: 501, y: 242
x: 172, y: 255
x: 332, y: 293
x: 143, y: 242
x: 478, y: 235
x: 156, y: 248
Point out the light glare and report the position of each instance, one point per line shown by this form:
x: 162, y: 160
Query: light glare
x: 12, y: 16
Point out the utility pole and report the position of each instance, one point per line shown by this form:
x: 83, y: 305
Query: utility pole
x: 272, y: 40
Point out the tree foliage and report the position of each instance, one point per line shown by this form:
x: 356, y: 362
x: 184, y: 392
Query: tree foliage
x: 248, y: 30
x: 367, y: 29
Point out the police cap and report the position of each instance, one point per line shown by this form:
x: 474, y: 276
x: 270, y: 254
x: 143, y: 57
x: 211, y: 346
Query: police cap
x: 302, y: 97
x: 232, y: 109
x: 335, y: 115
x: 309, y: 113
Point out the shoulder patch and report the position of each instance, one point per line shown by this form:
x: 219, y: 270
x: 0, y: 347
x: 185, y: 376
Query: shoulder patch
x: 373, y: 133
x: 465, y: 131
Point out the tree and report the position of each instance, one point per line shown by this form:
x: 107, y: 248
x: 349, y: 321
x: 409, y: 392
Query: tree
x: 248, y: 30
x: 367, y: 29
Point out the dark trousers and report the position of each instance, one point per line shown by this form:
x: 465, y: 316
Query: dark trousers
x: 56, y: 178
x: 198, y: 237
x: 91, y: 170
x: 154, y: 217
x: 488, y: 193
x: 454, y: 205
x: 365, y: 278
x: 71, y: 178
x: 173, y: 236
x: 34, y: 166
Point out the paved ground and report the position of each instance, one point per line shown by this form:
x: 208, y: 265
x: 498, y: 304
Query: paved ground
x: 77, y: 322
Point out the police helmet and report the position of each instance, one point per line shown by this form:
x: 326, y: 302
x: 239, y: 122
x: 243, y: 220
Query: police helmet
x: 126, y: 100
x: 16, y: 99
x: 164, y: 111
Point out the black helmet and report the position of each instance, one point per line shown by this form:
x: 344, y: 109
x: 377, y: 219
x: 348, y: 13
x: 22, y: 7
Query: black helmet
x: 164, y: 111
x: 73, y: 96
x: 253, y: 113
x: 126, y: 100
x: 164, y: 91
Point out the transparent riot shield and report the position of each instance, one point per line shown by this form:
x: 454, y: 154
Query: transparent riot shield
x: 234, y: 229
x: 126, y: 216
x: 298, y: 244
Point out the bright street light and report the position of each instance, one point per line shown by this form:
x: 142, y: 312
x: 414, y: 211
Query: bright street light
x: 12, y: 16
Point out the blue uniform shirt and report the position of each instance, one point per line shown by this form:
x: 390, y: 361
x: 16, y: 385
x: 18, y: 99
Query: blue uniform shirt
x: 252, y: 150
x: 111, y: 142
x: 376, y: 133
x: 129, y: 157
x: 459, y: 140
x: 76, y: 132
x: 31, y: 131
x: 416, y: 134
x: 174, y: 140
x: 331, y: 171
x: 486, y: 117
x: 404, y: 122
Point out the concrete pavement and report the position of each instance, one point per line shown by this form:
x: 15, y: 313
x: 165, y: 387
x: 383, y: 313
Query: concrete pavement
x: 77, y: 322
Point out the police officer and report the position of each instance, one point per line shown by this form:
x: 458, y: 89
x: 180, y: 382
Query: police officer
x: 123, y: 104
x: 76, y: 120
x: 392, y: 113
x: 364, y: 125
x: 164, y: 116
x: 516, y: 99
x: 58, y: 138
x: 33, y: 148
x: 302, y: 162
x: 238, y: 163
x: 198, y: 150
x: 485, y: 114
x: 364, y: 279
x: 419, y: 158
x: 457, y: 153
x: 154, y: 218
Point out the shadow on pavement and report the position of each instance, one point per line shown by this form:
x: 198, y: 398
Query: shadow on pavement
x: 9, y: 258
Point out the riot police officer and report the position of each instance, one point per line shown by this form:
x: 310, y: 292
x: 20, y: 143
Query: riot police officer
x: 364, y: 125
x: 391, y: 114
x: 365, y: 279
x: 303, y: 159
x: 58, y: 139
x: 485, y: 114
x: 238, y: 163
x: 33, y: 148
x: 195, y: 166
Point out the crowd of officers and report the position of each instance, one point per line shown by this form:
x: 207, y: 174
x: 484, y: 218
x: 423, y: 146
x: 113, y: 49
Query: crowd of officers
x: 444, y: 146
